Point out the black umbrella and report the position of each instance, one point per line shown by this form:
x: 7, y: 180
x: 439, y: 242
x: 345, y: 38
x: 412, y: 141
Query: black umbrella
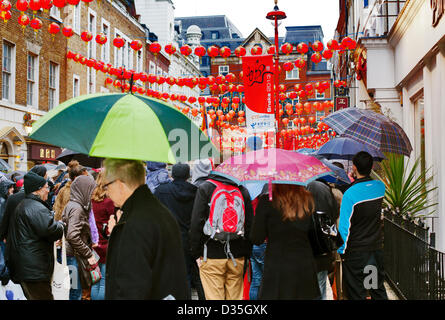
x: 17, y: 173
x: 67, y: 155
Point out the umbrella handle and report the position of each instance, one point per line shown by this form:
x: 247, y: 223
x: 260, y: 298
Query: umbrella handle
x: 270, y: 189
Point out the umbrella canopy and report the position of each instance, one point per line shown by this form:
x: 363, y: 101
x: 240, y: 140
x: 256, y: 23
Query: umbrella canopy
x: 307, y: 151
x: 346, y: 148
x: 339, y: 175
x: 4, y: 166
x: 371, y: 128
x: 49, y: 166
x: 274, y: 166
x: 18, y: 173
x: 85, y: 160
x: 123, y: 126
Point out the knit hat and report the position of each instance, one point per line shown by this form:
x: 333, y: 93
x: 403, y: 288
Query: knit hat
x: 181, y: 171
x: 40, y: 170
x: 33, y: 182
x: 254, y: 143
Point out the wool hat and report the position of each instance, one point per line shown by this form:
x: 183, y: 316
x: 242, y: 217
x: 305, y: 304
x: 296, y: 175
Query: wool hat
x: 181, y: 171
x: 39, y: 169
x: 33, y: 182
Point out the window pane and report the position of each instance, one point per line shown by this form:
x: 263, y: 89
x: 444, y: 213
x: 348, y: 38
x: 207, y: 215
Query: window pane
x: 7, y: 53
x: 30, y: 93
x: 51, y: 99
x: 5, y: 85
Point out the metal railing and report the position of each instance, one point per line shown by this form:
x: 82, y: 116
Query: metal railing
x: 414, y: 269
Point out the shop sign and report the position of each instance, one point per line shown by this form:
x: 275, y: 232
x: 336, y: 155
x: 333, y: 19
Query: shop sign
x: 341, y: 103
x: 44, y: 153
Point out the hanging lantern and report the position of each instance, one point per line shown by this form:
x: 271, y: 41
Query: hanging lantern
x: 5, y: 15
x: 186, y: 50
x: 22, y: 5
x: 292, y: 95
x: 303, y: 121
x: 230, y: 77
x: 309, y: 87
x: 240, y: 51
x: 225, y: 52
x: 332, y: 44
x: 288, y: 66
x: 192, y: 99
x: 86, y: 36
x: 170, y: 49
x: 287, y: 48
x: 53, y: 29
x: 240, y: 88
x: 327, y: 54
x: 46, y: 5
x: 302, y: 48
x: 316, y: 58
x: 101, y: 39
x: 317, y: 46
x: 318, y: 106
x: 282, y: 88
x: 300, y: 63
x: 155, y: 48
x: 73, y: 2
x: 59, y: 3
x: 256, y: 51
x: 213, y: 51
x: 35, y: 5
x: 200, y: 51
x: 118, y: 42
x: 5, y: 5
x: 308, y: 107
x: 302, y: 94
x: 36, y: 24
x: 136, y: 45
x: 68, y: 31
x: 348, y: 43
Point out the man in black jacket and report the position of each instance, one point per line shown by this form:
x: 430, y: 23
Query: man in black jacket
x: 221, y: 276
x: 31, y: 236
x: 144, y: 258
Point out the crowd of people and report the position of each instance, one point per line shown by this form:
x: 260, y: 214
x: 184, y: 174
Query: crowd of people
x: 154, y: 235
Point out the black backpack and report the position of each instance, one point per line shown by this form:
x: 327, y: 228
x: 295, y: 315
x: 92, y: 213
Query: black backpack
x: 323, y: 234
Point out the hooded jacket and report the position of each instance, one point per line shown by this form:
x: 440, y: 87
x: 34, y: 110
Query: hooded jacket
x: 5, y: 184
x: 76, y: 217
x: 241, y: 247
x: 178, y: 196
x: 200, y: 172
x: 29, y: 247
x: 156, y: 174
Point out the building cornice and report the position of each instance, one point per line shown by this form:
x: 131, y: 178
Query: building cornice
x: 404, y: 20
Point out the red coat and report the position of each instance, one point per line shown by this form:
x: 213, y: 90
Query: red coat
x: 102, y: 212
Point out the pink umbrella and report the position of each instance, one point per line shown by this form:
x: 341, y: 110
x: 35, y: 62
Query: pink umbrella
x: 273, y: 166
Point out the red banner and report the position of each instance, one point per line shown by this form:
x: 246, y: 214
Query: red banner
x: 259, y: 83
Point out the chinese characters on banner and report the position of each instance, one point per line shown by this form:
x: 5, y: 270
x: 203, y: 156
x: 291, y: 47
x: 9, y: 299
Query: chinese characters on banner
x: 259, y: 92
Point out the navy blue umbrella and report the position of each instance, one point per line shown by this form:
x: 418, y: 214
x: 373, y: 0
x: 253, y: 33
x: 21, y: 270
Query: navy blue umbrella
x: 346, y: 148
x: 340, y: 176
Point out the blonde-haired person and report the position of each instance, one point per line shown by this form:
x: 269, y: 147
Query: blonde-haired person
x: 144, y: 257
x: 103, y: 208
x: 290, y: 271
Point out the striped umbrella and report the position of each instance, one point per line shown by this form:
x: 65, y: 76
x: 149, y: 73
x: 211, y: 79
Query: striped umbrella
x: 123, y: 126
x: 370, y: 128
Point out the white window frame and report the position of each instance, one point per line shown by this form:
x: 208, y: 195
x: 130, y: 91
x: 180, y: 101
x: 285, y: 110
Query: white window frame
x: 93, y: 29
x: 55, y: 13
x: 105, y: 51
x: 11, y: 91
x: 56, y: 87
x: 221, y: 68
x: 320, y: 96
x: 290, y: 75
x: 319, y: 114
x: 91, y: 73
x: 76, y: 77
x: 35, y: 82
x: 122, y: 53
x: 77, y: 17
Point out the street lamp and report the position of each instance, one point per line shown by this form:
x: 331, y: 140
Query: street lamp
x: 276, y: 15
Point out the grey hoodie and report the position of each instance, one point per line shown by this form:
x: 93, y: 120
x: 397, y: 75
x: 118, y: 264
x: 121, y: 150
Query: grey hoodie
x: 201, y: 169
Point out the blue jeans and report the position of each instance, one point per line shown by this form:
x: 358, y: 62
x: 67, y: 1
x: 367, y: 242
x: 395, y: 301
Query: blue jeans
x: 76, y: 288
x: 322, y: 276
x: 98, y: 289
x: 257, y: 262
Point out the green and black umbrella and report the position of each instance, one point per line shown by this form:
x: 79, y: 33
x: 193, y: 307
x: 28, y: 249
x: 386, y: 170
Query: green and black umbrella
x: 124, y: 126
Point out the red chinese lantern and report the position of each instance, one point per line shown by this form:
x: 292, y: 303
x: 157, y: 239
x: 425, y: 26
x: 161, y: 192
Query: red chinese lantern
x: 155, y: 48
x: 87, y: 1
x: 5, y: 5
x: 288, y: 66
x: 332, y: 45
x: 302, y: 48
x: 348, y: 43
x: 241, y: 120
x: 225, y: 52
x: 271, y: 50
x: 316, y: 58
x: 256, y: 51
x: 22, y: 5
x: 230, y: 77
x: 285, y: 121
x: 136, y: 45
x: 308, y: 107
x: 73, y: 2
x: 317, y: 46
x: 302, y: 94
x: 200, y: 51
x: 300, y: 63
x: 303, y: 121
x: 213, y: 51
x: 53, y: 29
x: 240, y: 51
x: 36, y: 24
x: 170, y: 49
x: 118, y: 42
x: 282, y: 88
x: 309, y: 87
x: 287, y: 48
x: 68, y: 31
x: 240, y: 88
x: 318, y: 106
x: 59, y: 3
x: 86, y: 36
x: 327, y: 54
x: 101, y: 39
x: 35, y: 5
x: 5, y: 15
x: 46, y: 5
x: 186, y: 50
x: 192, y: 99
x: 292, y: 95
